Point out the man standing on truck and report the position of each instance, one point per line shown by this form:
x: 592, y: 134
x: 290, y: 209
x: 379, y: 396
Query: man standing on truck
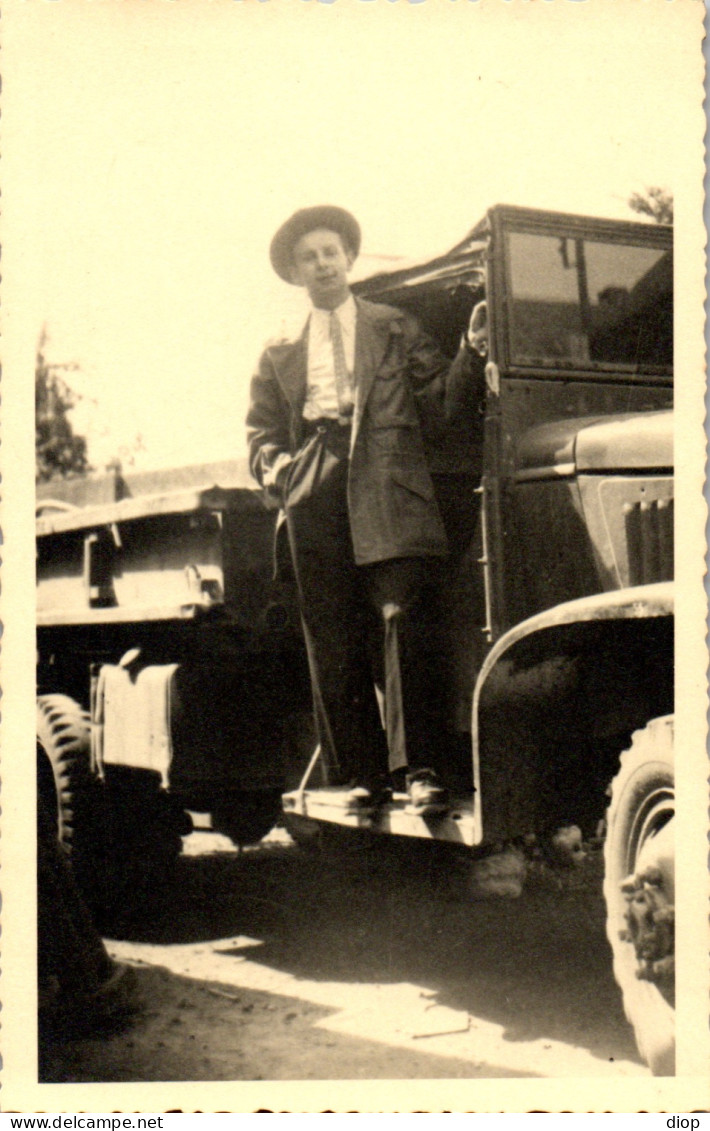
x: 338, y: 426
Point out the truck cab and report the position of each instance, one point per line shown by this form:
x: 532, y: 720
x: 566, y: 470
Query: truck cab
x: 573, y: 537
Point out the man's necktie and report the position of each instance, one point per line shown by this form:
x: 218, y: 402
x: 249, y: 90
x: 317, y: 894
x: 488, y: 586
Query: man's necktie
x: 342, y: 377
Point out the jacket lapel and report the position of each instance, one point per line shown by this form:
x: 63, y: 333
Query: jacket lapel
x: 290, y: 364
x: 373, y: 329
x: 374, y: 326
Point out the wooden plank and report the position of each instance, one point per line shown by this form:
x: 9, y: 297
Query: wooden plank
x: 458, y: 826
x: 147, y: 506
x: 118, y: 614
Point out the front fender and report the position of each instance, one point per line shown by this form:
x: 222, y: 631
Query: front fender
x: 555, y: 694
x: 639, y: 601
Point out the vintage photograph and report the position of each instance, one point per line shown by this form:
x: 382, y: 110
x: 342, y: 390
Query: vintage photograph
x: 367, y: 539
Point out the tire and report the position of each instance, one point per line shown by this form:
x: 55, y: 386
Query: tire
x: 122, y: 835
x: 67, y: 790
x: 639, y: 890
x: 248, y: 815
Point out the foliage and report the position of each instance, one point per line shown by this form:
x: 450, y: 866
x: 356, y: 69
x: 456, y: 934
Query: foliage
x: 655, y: 202
x: 58, y: 451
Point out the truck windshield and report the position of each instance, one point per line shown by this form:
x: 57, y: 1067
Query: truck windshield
x: 587, y: 303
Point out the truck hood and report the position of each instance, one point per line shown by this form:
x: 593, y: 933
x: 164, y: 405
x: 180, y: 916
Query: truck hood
x: 627, y: 442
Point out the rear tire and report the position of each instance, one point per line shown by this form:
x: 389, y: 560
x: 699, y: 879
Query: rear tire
x: 248, y: 815
x: 122, y: 834
x: 69, y: 794
x: 639, y: 856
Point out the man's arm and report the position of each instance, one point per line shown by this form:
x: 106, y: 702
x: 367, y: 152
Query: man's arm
x: 465, y: 392
x: 447, y: 392
x: 268, y: 435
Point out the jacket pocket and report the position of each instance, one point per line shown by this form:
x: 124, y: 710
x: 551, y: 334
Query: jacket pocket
x: 391, y: 401
x: 399, y: 439
x: 414, y: 479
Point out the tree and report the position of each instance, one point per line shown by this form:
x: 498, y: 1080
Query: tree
x: 58, y: 451
x: 655, y: 202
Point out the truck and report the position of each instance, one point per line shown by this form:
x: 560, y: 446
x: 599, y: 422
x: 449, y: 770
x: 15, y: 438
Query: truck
x: 169, y: 665
x: 172, y: 675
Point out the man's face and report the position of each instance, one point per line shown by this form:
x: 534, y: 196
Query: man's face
x: 320, y: 264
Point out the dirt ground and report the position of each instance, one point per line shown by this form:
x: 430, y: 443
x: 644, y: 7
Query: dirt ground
x: 285, y: 963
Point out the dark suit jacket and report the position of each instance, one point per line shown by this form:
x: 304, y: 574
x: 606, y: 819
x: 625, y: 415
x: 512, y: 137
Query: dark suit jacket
x: 402, y: 386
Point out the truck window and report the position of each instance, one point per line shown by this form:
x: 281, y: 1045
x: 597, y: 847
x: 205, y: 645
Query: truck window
x: 587, y: 303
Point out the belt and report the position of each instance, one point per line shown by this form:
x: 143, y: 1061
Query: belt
x: 327, y: 426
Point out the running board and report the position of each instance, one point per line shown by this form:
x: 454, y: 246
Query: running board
x: 397, y: 818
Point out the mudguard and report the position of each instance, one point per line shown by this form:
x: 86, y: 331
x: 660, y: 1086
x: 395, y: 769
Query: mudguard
x: 554, y: 697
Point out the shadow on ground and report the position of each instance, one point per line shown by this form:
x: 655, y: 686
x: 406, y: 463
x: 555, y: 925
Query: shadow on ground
x: 389, y: 913
x: 191, y: 1029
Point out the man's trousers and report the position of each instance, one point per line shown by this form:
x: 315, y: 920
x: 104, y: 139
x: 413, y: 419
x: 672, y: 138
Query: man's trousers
x: 364, y: 625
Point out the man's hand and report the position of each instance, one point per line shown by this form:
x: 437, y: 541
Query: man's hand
x: 476, y: 335
x: 280, y: 471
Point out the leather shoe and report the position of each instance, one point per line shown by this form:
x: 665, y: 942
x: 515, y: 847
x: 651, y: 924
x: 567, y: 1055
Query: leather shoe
x: 362, y: 797
x: 426, y: 796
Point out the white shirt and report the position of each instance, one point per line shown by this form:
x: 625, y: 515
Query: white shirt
x: 321, y: 395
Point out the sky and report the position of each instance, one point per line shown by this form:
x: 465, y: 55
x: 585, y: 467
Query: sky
x: 158, y: 145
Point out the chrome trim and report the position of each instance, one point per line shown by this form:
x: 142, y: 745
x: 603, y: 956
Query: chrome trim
x: 554, y: 471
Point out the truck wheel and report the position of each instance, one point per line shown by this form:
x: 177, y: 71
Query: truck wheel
x: 248, y: 815
x: 639, y: 890
x: 65, y: 784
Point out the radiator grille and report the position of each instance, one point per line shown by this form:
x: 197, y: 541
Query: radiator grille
x: 649, y: 538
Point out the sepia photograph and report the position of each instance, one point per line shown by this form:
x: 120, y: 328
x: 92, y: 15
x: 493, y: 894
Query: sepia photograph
x: 355, y: 577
